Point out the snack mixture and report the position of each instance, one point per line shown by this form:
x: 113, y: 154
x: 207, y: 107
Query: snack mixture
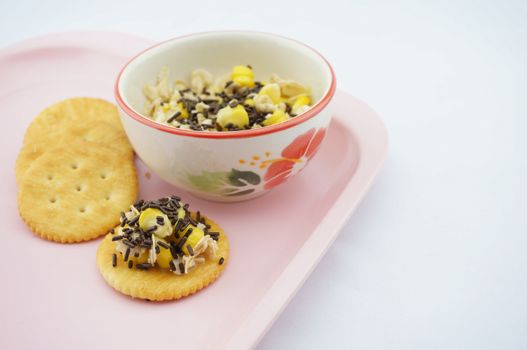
x: 157, y: 240
x: 75, y: 171
x: 234, y: 102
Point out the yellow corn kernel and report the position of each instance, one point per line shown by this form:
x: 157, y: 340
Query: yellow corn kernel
x: 166, y: 107
x: 301, y: 100
x: 164, y: 257
x: 148, y: 219
x: 181, y: 213
x: 183, y: 110
x: 278, y: 116
x: 243, y: 76
x: 236, y: 116
x: 242, y: 70
x: 193, y: 240
x: 271, y: 90
x: 243, y: 80
x: 249, y: 102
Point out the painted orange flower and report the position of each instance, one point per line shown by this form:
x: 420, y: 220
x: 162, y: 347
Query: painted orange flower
x: 294, y: 157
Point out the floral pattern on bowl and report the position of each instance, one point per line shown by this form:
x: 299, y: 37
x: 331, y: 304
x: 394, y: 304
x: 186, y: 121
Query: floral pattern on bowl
x: 273, y: 171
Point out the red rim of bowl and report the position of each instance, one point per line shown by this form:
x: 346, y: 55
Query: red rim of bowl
x: 313, y: 111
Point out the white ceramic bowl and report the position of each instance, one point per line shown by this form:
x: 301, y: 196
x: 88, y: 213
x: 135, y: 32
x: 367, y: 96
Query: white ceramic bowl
x: 235, y: 165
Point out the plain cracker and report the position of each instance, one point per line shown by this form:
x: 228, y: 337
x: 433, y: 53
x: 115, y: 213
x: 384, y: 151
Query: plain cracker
x: 68, y: 132
x: 76, y: 193
x: 157, y: 284
x: 74, y: 110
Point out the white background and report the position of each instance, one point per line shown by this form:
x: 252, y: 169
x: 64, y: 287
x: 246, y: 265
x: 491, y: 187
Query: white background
x: 436, y: 255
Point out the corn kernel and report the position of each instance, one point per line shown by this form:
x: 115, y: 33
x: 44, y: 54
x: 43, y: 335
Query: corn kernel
x: 243, y: 76
x: 148, y: 219
x: 181, y: 213
x: 249, y: 102
x: 271, y: 90
x: 164, y: 257
x: 183, y: 110
x: 300, y: 101
x: 193, y: 240
x: 236, y: 116
x: 243, y: 80
x: 166, y: 107
x: 278, y: 116
x: 242, y: 70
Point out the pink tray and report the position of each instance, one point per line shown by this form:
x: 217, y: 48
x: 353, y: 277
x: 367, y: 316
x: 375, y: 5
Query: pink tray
x: 52, y: 295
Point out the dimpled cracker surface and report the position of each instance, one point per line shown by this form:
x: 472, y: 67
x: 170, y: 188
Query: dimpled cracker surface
x: 76, y: 193
x: 158, y: 284
x: 73, y: 110
x: 66, y: 132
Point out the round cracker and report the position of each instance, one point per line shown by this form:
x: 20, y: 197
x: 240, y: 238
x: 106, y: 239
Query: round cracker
x: 68, y: 132
x: 159, y: 284
x: 73, y: 110
x: 76, y: 193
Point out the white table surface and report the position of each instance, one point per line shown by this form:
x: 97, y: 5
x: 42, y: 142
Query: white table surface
x: 436, y: 255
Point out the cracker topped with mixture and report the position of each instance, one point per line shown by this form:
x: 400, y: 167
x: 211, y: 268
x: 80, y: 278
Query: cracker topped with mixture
x: 230, y: 103
x: 162, y: 251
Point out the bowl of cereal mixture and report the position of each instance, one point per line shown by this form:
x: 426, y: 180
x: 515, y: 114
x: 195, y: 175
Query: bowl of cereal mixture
x: 227, y: 115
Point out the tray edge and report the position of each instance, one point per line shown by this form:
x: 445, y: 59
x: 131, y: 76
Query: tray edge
x: 260, y: 320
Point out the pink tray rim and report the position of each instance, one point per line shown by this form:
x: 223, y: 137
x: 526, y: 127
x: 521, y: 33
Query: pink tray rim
x: 373, y: 151
x: 292, y: 278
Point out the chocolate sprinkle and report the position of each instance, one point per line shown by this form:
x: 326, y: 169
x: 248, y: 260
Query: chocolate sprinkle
x: 181, y: 267
x: 163, y: 244
x: 192, y: 221
x: 222, y: 260
x: 173, y: 251
x: 143, y: 266
x: 190, y: 250
x: 133, y: 221
x: 172, y: 265
x: 174, y: 117
x: 151, y: 229
x: 130, y: 264
x: 114, y: 260
x: 127, y: 254
x: 128, y: 243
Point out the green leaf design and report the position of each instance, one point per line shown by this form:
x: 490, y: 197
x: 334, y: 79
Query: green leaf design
x: 209, y: 182
x: 232, y: 183
x: 236, y: 178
